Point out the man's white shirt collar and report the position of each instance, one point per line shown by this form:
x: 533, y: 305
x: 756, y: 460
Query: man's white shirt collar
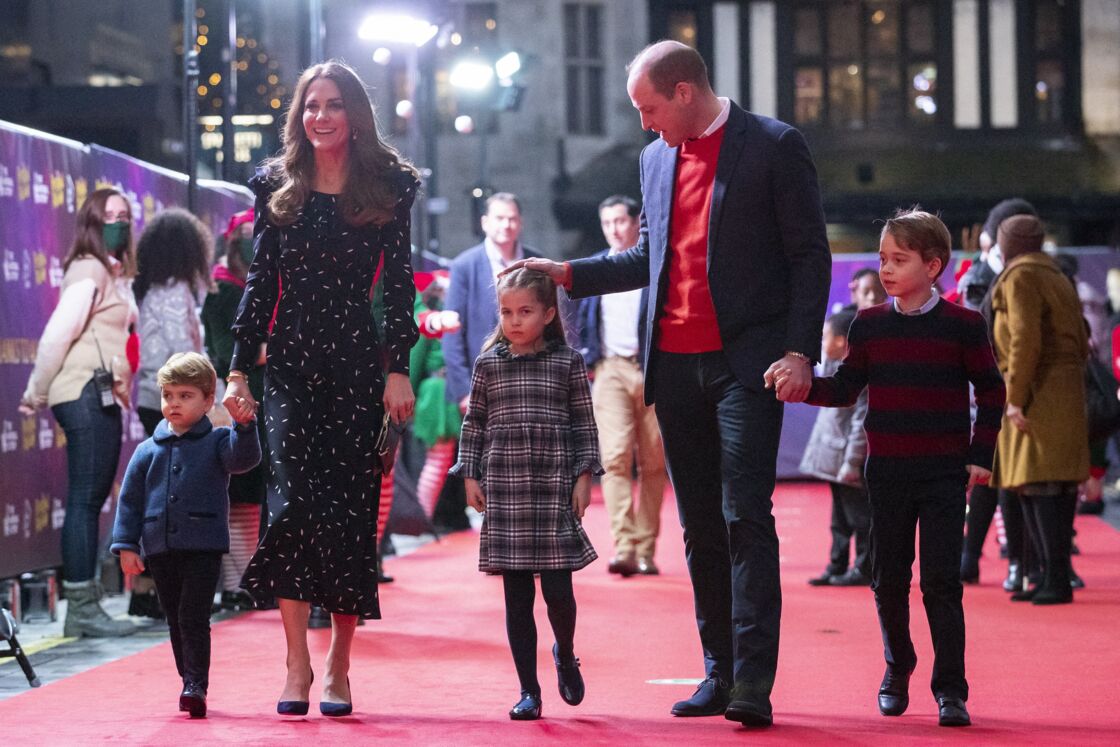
x: 721, y: 118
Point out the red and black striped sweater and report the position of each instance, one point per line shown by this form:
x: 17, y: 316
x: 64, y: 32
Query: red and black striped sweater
x: 917, y: 370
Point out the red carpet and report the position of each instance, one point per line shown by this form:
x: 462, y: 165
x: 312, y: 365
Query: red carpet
x: 437, y: 669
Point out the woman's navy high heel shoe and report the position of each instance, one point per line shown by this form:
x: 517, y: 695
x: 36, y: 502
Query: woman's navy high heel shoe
x: 295, y: 707
x: 337, y: 709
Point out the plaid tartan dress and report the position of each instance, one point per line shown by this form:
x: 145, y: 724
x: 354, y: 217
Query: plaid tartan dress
x: 529, y: 432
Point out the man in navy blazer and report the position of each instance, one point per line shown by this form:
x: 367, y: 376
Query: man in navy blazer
x: 733, y: 246
x: 471, y: 291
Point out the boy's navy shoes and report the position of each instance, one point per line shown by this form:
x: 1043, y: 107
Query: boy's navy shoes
x: 894, y: 692
x: 952, y: 712
x: 568, y: 678
x: 851, y: 577
x: 526, y: 709
x: 193, y: 700
x: 748, y: 709
x: 710, y: 699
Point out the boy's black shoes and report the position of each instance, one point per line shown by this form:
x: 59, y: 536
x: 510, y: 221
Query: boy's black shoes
x: 894, y: 692
x: 527, y: 709
x: 748, y: 709
x: 970, y: 568
x: 710, y: 699
x: 951, y: 712
x: 851, y: 577
x: 193, y: 700
x: 822, y: 580
x: 568, y: 678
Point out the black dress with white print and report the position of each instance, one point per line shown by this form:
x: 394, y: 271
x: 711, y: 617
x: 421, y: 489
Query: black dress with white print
x: 323, y: 387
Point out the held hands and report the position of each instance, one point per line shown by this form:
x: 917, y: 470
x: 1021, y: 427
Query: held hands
x: 398, y: 399
x: 475, y: 497
x: 239, y: 402
x: 790, y: 377
x: 978, y: 476
x: 131, y: 563
x: 581, y: 495
x: 1017, y: 418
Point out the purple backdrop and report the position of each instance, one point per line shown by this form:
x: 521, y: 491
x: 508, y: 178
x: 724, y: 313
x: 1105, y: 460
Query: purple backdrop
x: 43, y: 181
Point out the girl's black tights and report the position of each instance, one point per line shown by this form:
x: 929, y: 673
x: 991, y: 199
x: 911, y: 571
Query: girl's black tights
x: 556, y: 587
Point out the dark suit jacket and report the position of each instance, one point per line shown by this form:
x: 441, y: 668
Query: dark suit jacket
x: 769, y: 265
x: 591, y: 324
x: 471, y: 293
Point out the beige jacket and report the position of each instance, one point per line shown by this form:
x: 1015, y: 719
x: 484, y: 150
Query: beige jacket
x: 82, y: 320
x: 1041, y: 346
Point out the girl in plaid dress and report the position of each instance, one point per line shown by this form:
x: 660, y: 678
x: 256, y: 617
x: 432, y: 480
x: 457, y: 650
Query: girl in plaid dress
x: 529, y: 448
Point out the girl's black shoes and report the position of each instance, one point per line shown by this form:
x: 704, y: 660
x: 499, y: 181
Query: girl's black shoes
x: 568, y: 678
x: 527, y: 709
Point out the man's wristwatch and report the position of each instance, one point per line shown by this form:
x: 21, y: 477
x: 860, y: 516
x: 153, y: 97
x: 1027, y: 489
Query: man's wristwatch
x: 796, y: 354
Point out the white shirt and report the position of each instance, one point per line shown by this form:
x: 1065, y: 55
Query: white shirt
x: 497, y: 261
x: 620, y: 323
x: 721, y: 118
x: 923, y: 309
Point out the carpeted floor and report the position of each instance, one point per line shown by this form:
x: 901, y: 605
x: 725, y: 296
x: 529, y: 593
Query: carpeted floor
x: 437, y: 670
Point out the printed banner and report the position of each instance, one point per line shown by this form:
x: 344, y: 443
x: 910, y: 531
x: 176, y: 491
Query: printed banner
x: 43, y: 182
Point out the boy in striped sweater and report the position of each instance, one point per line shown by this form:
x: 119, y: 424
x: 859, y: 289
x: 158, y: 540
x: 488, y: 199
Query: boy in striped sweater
x: 917, y: 355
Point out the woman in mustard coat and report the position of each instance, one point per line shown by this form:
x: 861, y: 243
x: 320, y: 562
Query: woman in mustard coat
x: 1043, y: 451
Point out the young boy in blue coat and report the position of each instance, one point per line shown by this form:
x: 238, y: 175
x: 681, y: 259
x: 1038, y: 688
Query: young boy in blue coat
x: 173, y: 512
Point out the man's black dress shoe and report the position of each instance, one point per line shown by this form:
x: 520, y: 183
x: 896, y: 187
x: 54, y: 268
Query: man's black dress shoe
x: 568, y: 678
x: 193, y: 700
x: 624, y: 564
x: 851, y: 577
x: 1046, y: 596
x: 894, y: 692
x: 710, y: 699
x: 1025, y: 595
x: 646, y: 567
x: 824, y: 579
x: 951, y: 712
x: 747, y: 709
x: 527, y: 709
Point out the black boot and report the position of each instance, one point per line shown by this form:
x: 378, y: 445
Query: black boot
x: 1054, y: 518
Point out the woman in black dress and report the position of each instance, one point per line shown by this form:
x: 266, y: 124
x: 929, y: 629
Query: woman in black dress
x: 329, y: 208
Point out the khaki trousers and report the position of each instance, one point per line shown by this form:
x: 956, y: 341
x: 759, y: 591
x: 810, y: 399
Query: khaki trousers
x: 626, y: 423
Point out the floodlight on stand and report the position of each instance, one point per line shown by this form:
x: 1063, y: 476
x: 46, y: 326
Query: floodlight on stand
x: 397, y: 28
x: 464, y: 125
x: 471, y: 76
x: 507, y: 65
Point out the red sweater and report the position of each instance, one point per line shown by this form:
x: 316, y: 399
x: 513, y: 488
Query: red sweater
x: 688, y: 322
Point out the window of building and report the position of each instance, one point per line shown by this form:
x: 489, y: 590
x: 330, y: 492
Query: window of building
x: 862, y: 64
x: 1049, y: 63
x: 583, y: 68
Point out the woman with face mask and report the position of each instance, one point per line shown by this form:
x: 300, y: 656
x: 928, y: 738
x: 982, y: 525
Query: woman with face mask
x: 81, y: 372
x: 247, y: 492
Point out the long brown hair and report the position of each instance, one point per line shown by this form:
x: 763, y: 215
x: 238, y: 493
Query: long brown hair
x: 88, y: 240
x: 543, y: 289
x: 371, y: 190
